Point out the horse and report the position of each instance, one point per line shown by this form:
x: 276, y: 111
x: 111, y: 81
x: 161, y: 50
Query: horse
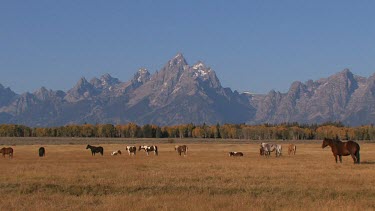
x: 340, y: 149
x: 131, y: 149
x: 42, y: 152
x: 292, y: 149
x: 261, y: 151
x: 118, y: 152
x: 94, y: 150
x: 278, y: 149
x: 235, y: 154
x: 7, y: 150
x: 148, y: 149
x: 181, y: 149
x: 266, y: 149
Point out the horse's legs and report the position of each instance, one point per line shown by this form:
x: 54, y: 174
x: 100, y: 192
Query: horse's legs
x: 335, y: 157
x: 354, y: 157
x: 340, y: 158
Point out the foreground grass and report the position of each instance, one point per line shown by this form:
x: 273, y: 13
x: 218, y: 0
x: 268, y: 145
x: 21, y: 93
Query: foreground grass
x: 207, y: 179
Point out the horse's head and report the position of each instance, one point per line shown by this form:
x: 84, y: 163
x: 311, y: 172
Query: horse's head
x: 261, y: 151
x: 88, y: 146
x: 119, y: 152
x: 325, y: 142
x: 175, y: 147
x: 140, y: 147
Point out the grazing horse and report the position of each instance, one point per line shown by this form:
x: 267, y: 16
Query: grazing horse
x: 181, y: 149
x: 94, y: 150
x: 266, y: 149
x: 118, y: 152
x: 42, y: 152
x: 131, y: 149
x: 7, y: 150
x: 292, y: 149
x: 149, y: 149
x: 340, y: 149
x: 278, y: 149
x: 235, y: 154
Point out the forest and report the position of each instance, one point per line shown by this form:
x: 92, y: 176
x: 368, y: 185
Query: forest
x: 285, y: 131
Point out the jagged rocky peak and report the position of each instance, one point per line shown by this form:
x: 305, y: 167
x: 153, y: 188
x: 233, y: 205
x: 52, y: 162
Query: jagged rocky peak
x: 200, y: 69
x: 199, y: 65
x: 42, y: 93
x: 6, y: 90
x: 83, y: 89
x: 6, y: 95
x: 108, y: 80
x: 178, y: 60
x: 96, y: 82
x: 141, y: 76
x: 82, y: 82
x: 297, y: 86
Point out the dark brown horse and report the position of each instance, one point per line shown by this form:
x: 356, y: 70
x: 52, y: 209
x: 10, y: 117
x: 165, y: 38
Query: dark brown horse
x: 340, y: 149
x: 7, y: 150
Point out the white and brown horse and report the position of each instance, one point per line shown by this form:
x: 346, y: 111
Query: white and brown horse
x: 118, y: 152
x: 181, y: 149
x: 235, y: 154
x: 131, y: 149
x: 292, y: 149
x: 148, y: 149
x: 266, y: 149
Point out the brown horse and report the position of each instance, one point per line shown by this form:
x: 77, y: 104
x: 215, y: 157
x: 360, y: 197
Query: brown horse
x: 340, y: 149
x: 7, y: 150
x: 292, y: 149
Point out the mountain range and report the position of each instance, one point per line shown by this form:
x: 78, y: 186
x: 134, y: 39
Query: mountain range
x: 181, y: 93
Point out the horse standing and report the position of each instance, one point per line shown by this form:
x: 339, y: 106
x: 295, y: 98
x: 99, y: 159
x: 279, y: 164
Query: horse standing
x: 94, y: 150
x: 278, y: 149
x: 131, y: 149
x: 7, y: 151
x: 340, y: 149
x: 181, y: 149
x: 148, y: 149
x: 292, y: 149
x: 42, y: 152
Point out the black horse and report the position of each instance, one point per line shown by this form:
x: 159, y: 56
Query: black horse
x: 42, y: 152
x: 95, y: 149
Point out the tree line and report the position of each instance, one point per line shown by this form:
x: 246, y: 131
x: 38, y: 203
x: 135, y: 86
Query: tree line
x: 286, y: 131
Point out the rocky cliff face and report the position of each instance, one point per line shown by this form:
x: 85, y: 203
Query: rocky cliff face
x: 335, y: 98
x: 181, y: 93
x: 176, y: 94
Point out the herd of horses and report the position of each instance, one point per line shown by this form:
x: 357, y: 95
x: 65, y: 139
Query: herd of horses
x: 339, y: 149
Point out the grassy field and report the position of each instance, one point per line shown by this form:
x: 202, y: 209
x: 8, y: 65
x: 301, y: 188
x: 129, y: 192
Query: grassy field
x: 207, y: 179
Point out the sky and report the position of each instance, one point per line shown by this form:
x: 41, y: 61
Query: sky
x: 252, y: 45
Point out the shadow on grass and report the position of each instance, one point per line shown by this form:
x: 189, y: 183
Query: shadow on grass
x: 370, y: 162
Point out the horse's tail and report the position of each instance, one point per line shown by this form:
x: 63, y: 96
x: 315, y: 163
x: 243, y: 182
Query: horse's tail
x: 102, y: 151
x: 156, y: 150
x: 358, y: 157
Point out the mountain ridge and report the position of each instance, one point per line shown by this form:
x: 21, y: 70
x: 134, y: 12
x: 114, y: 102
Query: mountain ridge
x: 179, y: 93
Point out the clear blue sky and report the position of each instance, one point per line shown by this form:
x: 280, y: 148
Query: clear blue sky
x: 252, y: 45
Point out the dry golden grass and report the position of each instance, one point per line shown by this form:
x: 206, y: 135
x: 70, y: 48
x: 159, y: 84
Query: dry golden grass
x: 207, y: 179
